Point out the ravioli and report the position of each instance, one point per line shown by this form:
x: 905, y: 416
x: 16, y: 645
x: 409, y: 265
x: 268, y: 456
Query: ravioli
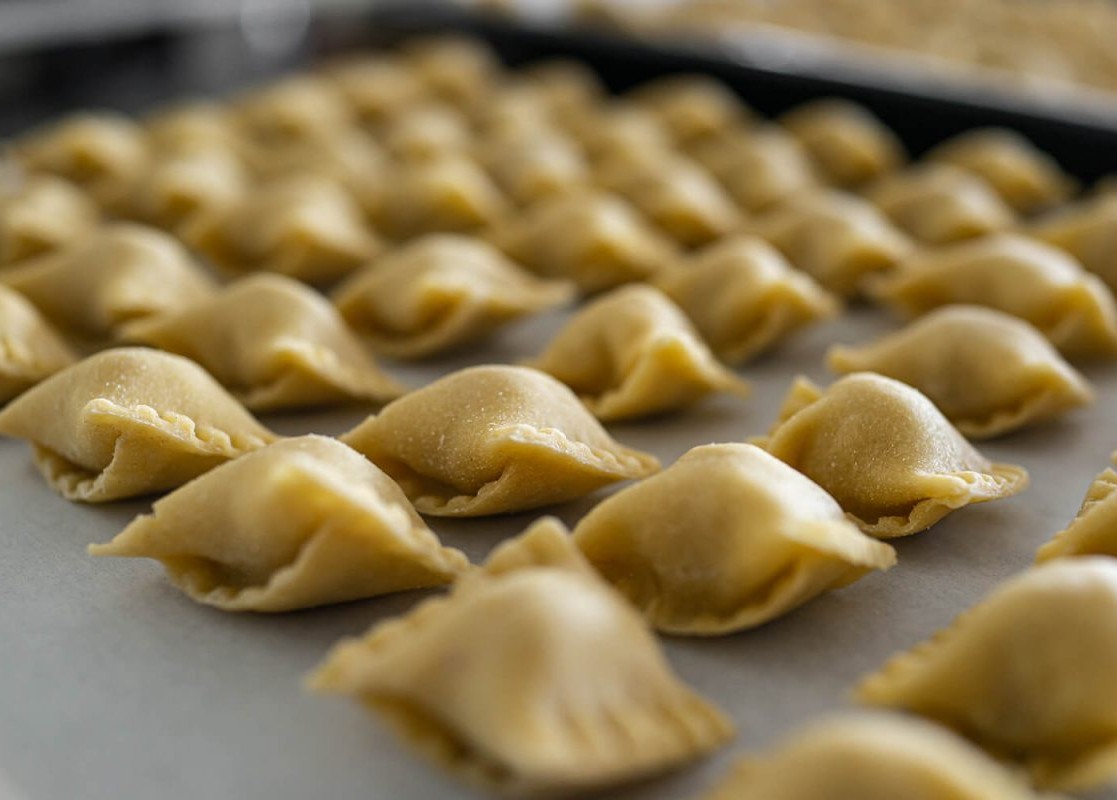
x: 297, y: 109
x: 1028, y: 179
x: 447, y: 195
x: 428, y: 132
x: 1093, y: 531
x: 872, y: 757
x: 725, y: 539
x: 274, y: 343
x: 839, y: 239
x: 850, y: 146
x: 121, y: 273
x: 569, y: 693
x: 531, y: 168
x: 492, y: 440
x: 939, y: 204
x: 1027, y: 674
x: 129, y: 422
x: 988, y: 372
x: 303, y: 522
x: 633, y: 353
x: 376, y: 88
x: 183, y: 185
x: 568, y: 87
x: 759, y: 168
x: 596, y: 240
x: 744, y: 298
x: 691, y: 107
x: 619, y: 130
x: 41, y: 215
x: 545, y: 543
x: 1087, y: 231
x: 441, y: 292
x: 198, y: 124
x: 460, y: 70
x: 30, y: 349
x: 891, y: 459
x: 1014, y: 274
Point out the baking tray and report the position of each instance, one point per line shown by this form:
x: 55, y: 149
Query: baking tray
x: 113, y: 685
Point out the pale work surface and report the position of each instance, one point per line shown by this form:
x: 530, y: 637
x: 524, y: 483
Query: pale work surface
x: 114, y: 686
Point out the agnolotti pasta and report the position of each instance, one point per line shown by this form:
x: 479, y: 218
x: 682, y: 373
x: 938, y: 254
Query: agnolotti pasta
x: 567, y: 87
x: 129, y: 422
x: 428, y: 132
x: 545, y: 543
x: 302, y: 522
x: 725, y: 539
x: 531, y: 168
x: 743, y: 296
x: 850, y: 146
x: 570, y: 692
x: 618, y: 131
x: 1026, y: 674
x: 872, y: 757
x: 597, y: 240
x: 41, y: 215
x: 441, y: 292
x: 988, y: 372
x: 1093, y: 531
x: 196, y: 124
x: 839, y: 239
x: 939, y: 203
x: 275, y: 343
x: 633, y: 353
x: 1088, y: 231
x: 121, y: 273
x: 189, y: 182
x: 691, y: 107
x: 891, y: 459
x: 759, y: 168
x: 1014, y: 274
x: 299, y: 109
x: 30, y: 349
x: 306, y: 227
x: 494, y: 439
x: 456, y: 69
x: 377, y: 88
x: 450, y: 194
x: 1027, y: 179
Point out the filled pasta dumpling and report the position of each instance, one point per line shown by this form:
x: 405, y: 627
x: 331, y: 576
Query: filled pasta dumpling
x: 567, y: 693
x: 1014, y: 274
x: 377, y: 88
x: 849, y: 145
x: 725, y: 539
x: 274, y: 343
x: 691, y: 107
x: 759, y: 168
x: 426, y: 133
x: 494, y: 439
x: 298, y: 109
x: 531, y: 168
x: 1088, y: 231
x: 196, y: 124
x: 41, y: 215
x: 633, y: 353
x: 191, y: 181
x: 1093, y: 531
x: 988, y: 372
x: 30, y: 349
x: 440, y: 292
x: 460, y: 70
x: 302, y: 522
x: 891, y: 459
x: 452, y: 194
x: 129, y: 422
x: 1026, y: 674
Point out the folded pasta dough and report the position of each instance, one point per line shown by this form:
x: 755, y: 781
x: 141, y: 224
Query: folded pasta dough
x: 743, y: 296
x: 428, y: 132
x: 102, y: 152
x: 618, y: 131
x: 1014, y: 274
x: 1088, y: 231
x: 872, y: 757
x: 121, y: 273
x: 1026, y: 178
x: 531, y: 168
x: 41, y: 215
x: 839, y: 239
x: 449, y: 194
x: 193, y: 125
x: 30, y: 349
x: 691, y: 107
x: 440, y: 292
x: 938, y: 203
x: 1093, y: 531
x: 494, y: 439
x: 129, y: 422
x: 189, y: 182
x: 569, y: 692
x: 545, y: 543
x: 988, y: 372
x: 597, y: 240
x: 303, y: 522
x: 377, y: 88
x: 457, y: 69
x: 306, y: 227
x: 633, y: 353
x: 275, y: 343
x: 891, y: 459
x: 302, y: 108
x: 849, y: 145
x: 1027, y: 674
x: 568, y: 87
x: 725, y: 539
x: 759, y: 168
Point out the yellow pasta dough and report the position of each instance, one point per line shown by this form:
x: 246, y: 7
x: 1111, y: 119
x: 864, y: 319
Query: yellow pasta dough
x: 618, y: 131
x: 41, y: 215
x: 691, y: 107
x: 377, y: 88
x: 190, y: 182
x: 450, y: 194
x: 30, y: 349
x: 299, y: 523
x: 633, y: 353
x: 440, y: 292
x: 534, y: 167
x: 988, y: 372
x: 192, y: 125
x: 1088, y: 231
x: 494, y: 439
x: 428, y: 132
x: 1014, y: 274
x: 121, y: 273
x: 129, y: 422
x: 568, y: 87
x: 725, y: 539
x: 274, y: 343
x: 759, y: 168
x: 872, y: 757
x: 1093, y: 531
x: 546, y: 543
x: 743, y: 296
x: 893, y: 462
x: 1027, y: 674
x: 849, y: 144
x: 568, y: 693
x: 457, y: 69
x: 301, y: 108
